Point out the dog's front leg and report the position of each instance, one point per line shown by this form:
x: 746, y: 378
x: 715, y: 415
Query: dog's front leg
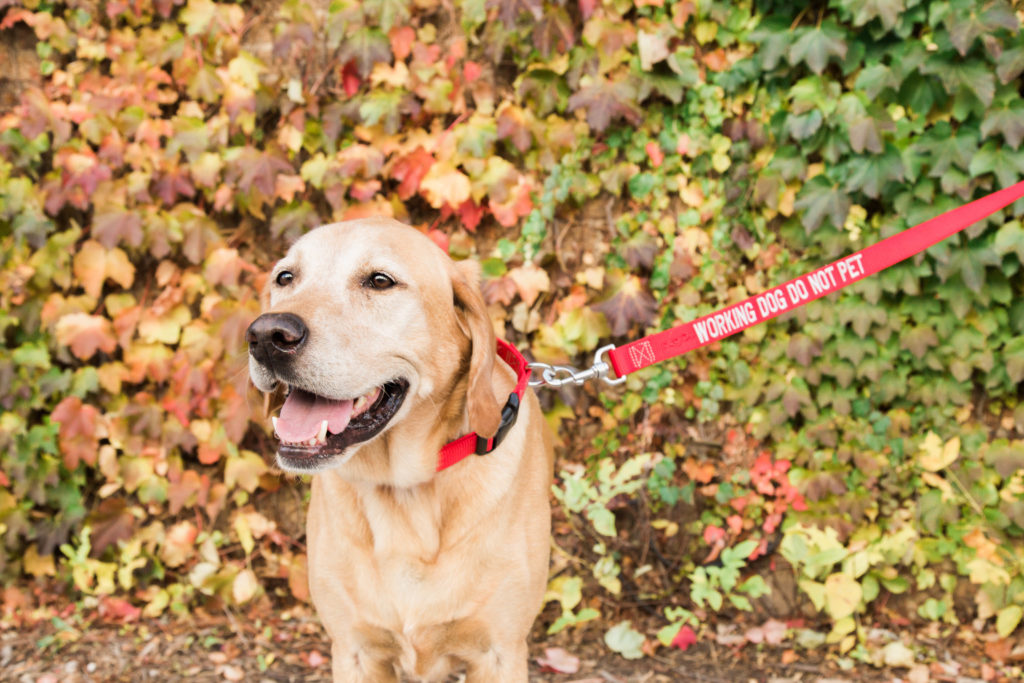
x: 360, y: 666
x: 501, y: 664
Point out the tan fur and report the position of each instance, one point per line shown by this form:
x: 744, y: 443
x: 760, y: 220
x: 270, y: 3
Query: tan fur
x: 410, y: 570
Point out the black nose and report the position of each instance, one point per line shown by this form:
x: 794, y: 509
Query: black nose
x: 275, y: 337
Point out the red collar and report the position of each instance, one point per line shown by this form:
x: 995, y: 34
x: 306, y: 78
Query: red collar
x: 473, y: 443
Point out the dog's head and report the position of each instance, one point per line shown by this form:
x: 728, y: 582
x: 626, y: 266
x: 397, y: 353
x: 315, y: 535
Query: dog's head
x: 370, y: 328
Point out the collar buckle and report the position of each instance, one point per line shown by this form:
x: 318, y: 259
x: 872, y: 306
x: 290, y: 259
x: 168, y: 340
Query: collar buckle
x: 509, y: 415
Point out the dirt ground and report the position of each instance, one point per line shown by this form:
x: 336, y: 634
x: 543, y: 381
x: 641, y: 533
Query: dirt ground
x: 290, y: 646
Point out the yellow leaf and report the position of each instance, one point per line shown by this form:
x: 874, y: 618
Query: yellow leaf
x: 244, y: 533
x: 89, y: 267
x: 444, y: 184
x: 245, y: 586
x: 670, y: 527
x: 244, y: 471
x: 119, y: 268
x: 566, y: 590
x: 37, y: 565
x: 94, y: 264
x: 842, y: 595
x: 245, y: 70
x: 935, y: 456
x: 935, y: 481
x: 157, y: 603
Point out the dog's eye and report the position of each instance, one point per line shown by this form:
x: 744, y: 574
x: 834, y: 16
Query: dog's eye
x: 284, y: 278
x: 380, y: 281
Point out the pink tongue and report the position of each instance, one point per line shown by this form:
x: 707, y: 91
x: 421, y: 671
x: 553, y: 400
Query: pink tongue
x: 303, y: 413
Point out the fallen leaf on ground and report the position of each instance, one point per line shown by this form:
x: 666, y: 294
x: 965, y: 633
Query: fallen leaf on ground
x: 557, y: 660
x: 684, y: 638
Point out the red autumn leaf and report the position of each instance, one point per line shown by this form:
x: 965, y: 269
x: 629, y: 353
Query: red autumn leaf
x: 684, y: 638
x: 519, y: 203
x: 713, y: 534
x: 409, y: 171
x: 471, y: 71
x: 654, y: 153
x: 118, y: 610
x: 470, y: 213
x: 587, y: 8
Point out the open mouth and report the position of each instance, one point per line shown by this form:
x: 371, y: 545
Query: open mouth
x: 313, y: 430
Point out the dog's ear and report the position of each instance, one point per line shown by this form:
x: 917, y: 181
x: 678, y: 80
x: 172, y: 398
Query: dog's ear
x: 484, y: 410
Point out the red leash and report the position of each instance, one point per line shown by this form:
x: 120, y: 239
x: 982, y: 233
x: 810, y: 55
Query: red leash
x: 732, y: 319
x: 799, y: 291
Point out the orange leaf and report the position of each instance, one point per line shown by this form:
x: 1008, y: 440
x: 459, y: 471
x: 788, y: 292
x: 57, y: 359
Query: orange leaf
x: 85, y: 334
x: 78, y: 426
x: 401, y: 38
x: 178, y: 543
x: 518, y: 204
x: 93, y: 265
x: 701, y: 473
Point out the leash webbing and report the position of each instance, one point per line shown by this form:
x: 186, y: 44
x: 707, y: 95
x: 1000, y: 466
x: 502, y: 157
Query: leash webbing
x: 808, y: 287
x: 734, y: 318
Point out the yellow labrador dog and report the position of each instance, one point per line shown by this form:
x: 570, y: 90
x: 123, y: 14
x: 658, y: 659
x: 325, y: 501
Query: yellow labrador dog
x: 389, y: 359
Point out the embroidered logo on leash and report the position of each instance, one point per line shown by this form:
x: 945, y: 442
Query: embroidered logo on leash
x: 642, y: 355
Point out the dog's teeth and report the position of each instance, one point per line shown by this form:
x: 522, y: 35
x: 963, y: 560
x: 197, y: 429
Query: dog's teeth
x: 360, y: 402
x: 273, y: 421
x: 322, y: 435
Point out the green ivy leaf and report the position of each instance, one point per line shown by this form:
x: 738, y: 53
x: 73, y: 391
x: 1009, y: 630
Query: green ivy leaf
x: 973, y: 76
x: 967, y: 25
x: 1010, y: 64
x: 816, y: 46
x: 943, y: 148
x: 1006, y: 164
x: 1007, y: 119
x: 863, y: 11
x: 1013, y: 353
x: 773, y: 38
x: 1010, y: 239
x: 819, y: 198
x: 869, y: 174
x: 874, y: 79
